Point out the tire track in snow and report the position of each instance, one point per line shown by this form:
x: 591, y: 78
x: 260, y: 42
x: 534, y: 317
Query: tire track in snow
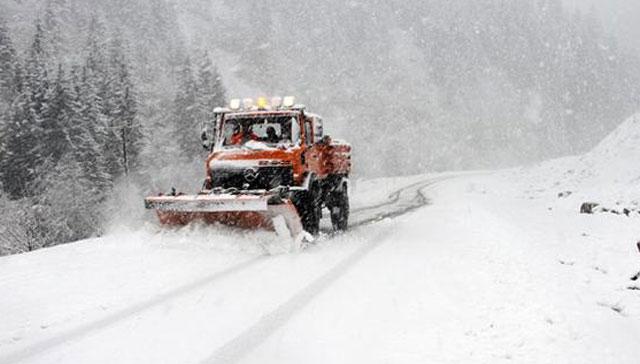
x: 395, y: 206
x: 44, y: 345
x: 235, y: 349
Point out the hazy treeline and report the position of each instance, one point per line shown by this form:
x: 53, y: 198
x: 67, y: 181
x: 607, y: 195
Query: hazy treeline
x: 419, y: 85
x: 76, y: 121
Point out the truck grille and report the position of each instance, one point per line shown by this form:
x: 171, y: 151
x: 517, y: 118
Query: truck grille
x: 255, y: 177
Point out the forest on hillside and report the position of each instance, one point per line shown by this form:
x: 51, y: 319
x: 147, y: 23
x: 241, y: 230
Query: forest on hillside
x: 83, y: 111
x: 102, y: 98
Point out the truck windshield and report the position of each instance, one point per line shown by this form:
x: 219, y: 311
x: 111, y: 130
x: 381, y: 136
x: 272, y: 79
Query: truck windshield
x: 269, y: 131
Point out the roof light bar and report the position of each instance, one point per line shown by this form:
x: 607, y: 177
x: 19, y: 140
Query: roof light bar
x: 262, y: 103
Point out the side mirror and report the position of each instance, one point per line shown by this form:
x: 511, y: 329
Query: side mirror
x: 206, y: 143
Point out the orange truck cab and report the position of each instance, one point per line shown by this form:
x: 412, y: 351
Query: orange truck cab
x: 279, y: 147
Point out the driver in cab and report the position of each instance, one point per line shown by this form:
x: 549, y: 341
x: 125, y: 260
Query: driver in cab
x: 272, y: 135
x: 241, y: 136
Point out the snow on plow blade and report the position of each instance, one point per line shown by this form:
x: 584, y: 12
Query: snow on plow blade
x: 242, y: 211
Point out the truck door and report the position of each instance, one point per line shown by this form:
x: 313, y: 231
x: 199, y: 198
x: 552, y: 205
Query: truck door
x: 315, y: 160
x: 308, y: 132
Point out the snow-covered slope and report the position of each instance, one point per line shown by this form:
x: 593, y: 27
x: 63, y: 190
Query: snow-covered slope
x: 609, y: 174
x: 614, y: 163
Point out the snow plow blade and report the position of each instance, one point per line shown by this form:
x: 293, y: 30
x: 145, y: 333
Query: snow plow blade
x: 242, y: 211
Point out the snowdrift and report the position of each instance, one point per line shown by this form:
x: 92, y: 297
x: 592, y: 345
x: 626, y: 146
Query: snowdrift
x: 608, y: 175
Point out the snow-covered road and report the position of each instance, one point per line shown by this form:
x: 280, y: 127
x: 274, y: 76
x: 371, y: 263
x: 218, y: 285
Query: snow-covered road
x: 478, y: 275
x: 56, y: 334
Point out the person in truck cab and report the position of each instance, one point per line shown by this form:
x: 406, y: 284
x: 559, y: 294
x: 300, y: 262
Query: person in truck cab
x: 272, y: 136
x: 240, y: 137
x: 236, y: 137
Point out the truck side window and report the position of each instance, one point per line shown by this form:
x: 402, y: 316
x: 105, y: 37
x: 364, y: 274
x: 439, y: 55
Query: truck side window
x: 308, y: 136
x: 295, y: 131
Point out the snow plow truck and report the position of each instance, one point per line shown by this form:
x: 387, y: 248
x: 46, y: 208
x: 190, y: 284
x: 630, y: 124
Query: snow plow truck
x: 270, y: 167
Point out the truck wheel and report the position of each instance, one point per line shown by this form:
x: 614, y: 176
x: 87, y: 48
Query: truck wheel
x: 309, y: 207
x: 340, y: 209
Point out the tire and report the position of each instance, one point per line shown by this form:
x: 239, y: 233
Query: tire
x: 309, y: 206
x: 340, y: 209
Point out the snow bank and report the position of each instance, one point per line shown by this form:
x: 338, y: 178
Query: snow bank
x: 608, y: 175
x: 614, y: 163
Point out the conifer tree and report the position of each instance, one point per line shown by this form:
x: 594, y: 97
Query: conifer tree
x: 124, y: 135
x: 66, y: 206
x: 25, y: 144
x: 210, y: 90
x: 56, y: 115
x: 17, y: 144
x: 52, y: 29
x: 8, y: 69
x: 186, y: 113
x: 93, y: 92
x: 37, y: 90
x: 9, y: 88
x: 84, y: 128
x: 97, y: 62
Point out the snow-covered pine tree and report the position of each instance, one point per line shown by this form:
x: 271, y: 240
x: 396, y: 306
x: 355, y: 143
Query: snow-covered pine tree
x: 96, y: 61
x: 8, y: 69
x: 72, y: 182
x: 9, y: 86
x: 37, y: 90
x: 18, y: 230
x: 56, y: 115
x: 17, y: 142
x: 51, y: 26
x: 82, y: 131
x: 210, y: 90
x: 94, y: 90
x: 124, y: 134
x: 186, y: 113
x: 65, y: 207
x: 25, y: 144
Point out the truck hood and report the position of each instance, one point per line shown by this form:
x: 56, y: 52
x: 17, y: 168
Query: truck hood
x: 248, y: 158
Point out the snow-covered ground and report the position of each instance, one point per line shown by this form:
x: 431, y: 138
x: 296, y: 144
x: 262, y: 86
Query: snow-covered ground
x: 497, y: 268
x: 609, y: 174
